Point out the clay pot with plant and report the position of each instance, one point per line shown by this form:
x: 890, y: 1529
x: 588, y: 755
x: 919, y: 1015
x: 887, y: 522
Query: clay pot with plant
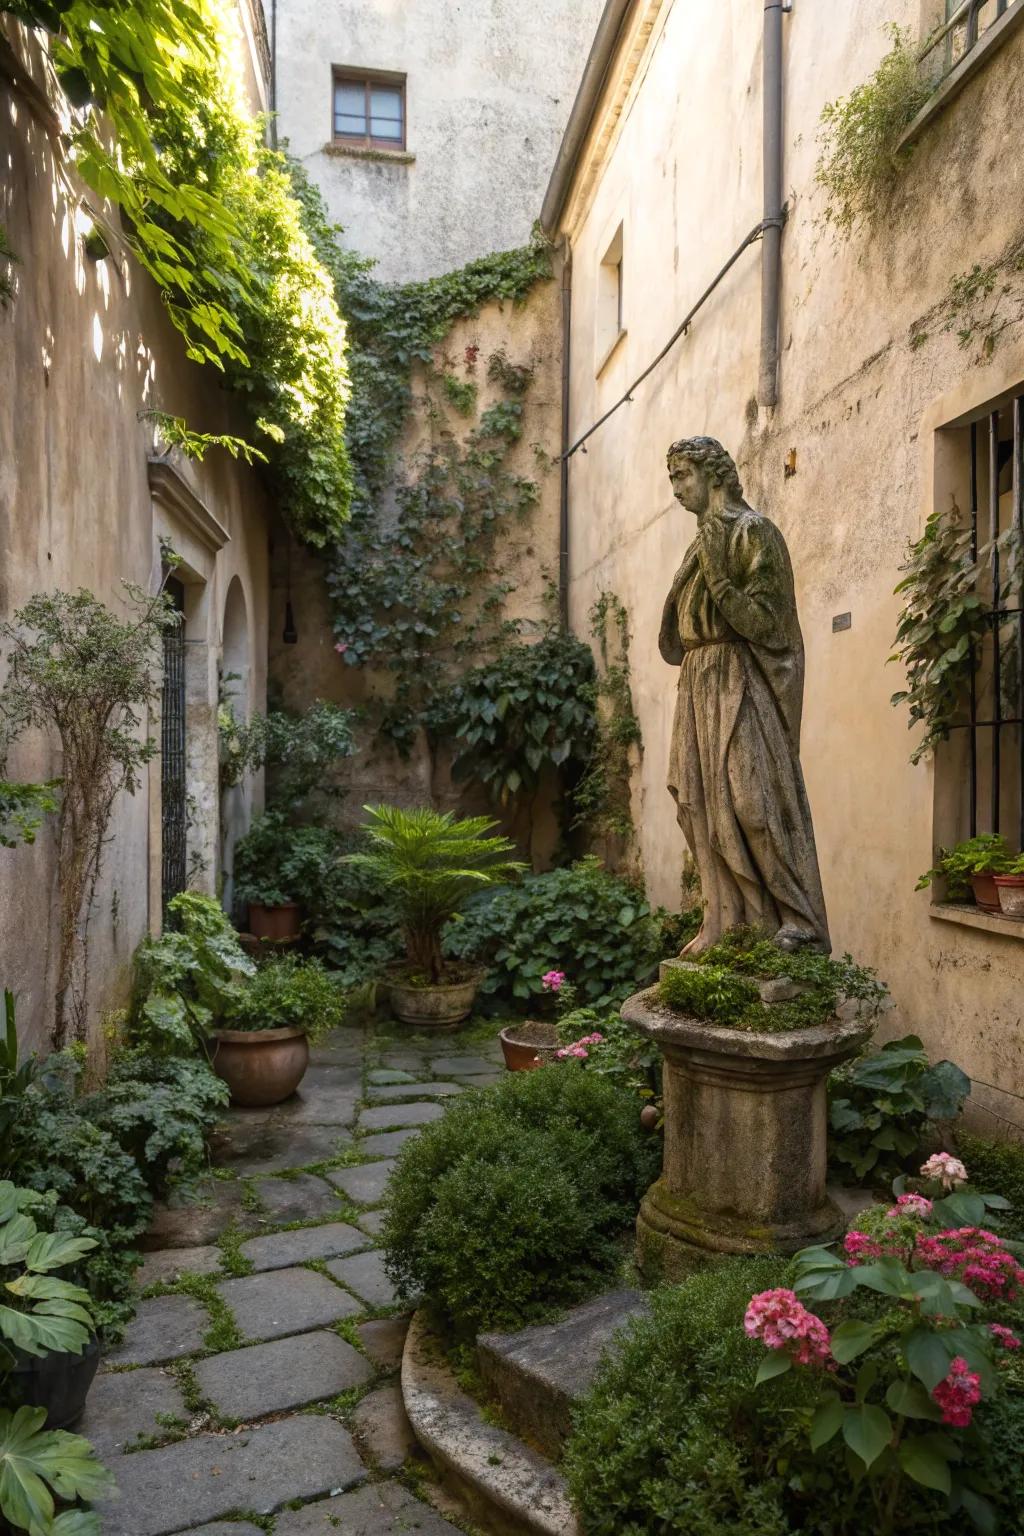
x: 969, y: 870
x: 1010, y: 889
x: 262, y: 1052
x: 429, y: 864
x: 534, y: 1042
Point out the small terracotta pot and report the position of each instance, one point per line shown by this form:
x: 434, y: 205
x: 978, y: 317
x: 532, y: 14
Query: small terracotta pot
x: 433, y: 1007
x: 1011, y: 894
x: 260, y: 1066
x: 283, y: 922
x: 529, y: 1045
x: 986, y: 895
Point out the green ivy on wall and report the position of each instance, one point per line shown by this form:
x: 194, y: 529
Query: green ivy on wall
x: 603, y: 799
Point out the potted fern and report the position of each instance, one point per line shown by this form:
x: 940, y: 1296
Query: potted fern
x: 429, y: 864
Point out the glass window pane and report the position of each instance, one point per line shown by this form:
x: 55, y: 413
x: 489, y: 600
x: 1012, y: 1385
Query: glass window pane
x: 385, y: 113
x: 349, y: 109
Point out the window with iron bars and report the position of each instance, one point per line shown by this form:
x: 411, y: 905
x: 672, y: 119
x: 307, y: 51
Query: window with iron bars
x: 981, y: 769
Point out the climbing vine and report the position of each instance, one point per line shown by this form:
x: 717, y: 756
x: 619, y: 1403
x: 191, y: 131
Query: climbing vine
x: 602, y: 799
x: 160, y: 129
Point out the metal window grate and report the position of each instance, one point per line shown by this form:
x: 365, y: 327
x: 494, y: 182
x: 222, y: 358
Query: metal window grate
x: 173, y: 828
x: 966, y: 22
x: 995, y: 710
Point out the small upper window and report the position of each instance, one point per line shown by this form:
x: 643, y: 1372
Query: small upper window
x: 369, y: 109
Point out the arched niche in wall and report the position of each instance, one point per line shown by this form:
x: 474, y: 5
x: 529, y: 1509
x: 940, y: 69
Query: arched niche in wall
x: 236, y: 692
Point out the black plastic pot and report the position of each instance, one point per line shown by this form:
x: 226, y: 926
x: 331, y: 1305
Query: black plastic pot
x: 59, y: 1383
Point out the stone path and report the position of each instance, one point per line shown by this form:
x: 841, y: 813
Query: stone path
x: 257, y: 1389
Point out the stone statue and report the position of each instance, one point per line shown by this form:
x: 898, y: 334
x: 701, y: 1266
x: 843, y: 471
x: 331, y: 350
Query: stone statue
x: 730, y: 625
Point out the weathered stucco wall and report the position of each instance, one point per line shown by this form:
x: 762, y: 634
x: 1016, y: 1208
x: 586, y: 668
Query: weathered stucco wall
x: 489, y: 88
x: 676, y: 158
x: 84, y: 347
x: 530, y: 335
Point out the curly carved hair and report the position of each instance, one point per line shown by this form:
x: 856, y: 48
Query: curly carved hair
x: 713, y: 459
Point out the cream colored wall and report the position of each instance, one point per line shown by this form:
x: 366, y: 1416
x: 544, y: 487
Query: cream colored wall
x: 530, y: 333
x: 678, y: 159
x: 489, y: 89
x: 85, y: 346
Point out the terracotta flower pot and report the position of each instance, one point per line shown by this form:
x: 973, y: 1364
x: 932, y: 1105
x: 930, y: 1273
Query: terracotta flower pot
x: 529, y: 1045
x: 433, y: 1007
x: 58, y: 1382
x: 260, y: 1066
x: 986, y: 895
x: 281, y: 922
x: 1011, y: 894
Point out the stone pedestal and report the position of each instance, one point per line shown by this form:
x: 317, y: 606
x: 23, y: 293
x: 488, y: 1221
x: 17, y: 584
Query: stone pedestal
x: 745, y: 1138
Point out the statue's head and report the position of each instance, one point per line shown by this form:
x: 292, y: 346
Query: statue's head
x: 695, y: 465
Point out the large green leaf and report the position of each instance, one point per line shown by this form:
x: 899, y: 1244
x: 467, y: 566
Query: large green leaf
x: 850, y: 1340
x: 827, y: 1422
x: 927, y: 1356
x: 910, y: 1400
x: 945, y: 1086
x: 52, y: 1250
x: 16, y: 1239
x: 40, y: 1334
x: 35, y: 1465
x: 867, y: 1430
x: 921, y: 1461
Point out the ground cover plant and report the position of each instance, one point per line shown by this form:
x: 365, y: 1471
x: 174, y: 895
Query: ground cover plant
x: 189, y: 978
x: 882, y: 1108
x: 517, y: 1201
x: 594, y: 925
x: 277, y: 862
x: 291, y: 993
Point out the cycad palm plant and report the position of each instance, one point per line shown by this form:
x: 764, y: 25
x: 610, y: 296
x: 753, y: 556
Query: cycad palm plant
x: 430, y: 864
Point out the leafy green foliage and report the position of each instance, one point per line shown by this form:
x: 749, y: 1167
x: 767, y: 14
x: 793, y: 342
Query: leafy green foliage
x: 40, y: 1468
x: 596, y: 927
x: 518, y: 1199
x: 276, y: 862
x: 189, y: 979
x: 860, y: 158
x: 430, y: 864
x: 530, y: 709
x: 943, y: 622
x: 602, y: 798
x: 39, y: 1313
x: 880, y: 1108
x: 22, y: 808
x: 175, y: 433
x: 663, y: 1441
x: 622, y: 1054
x: 160, y: 1110
x: 291, y: 993
x: 999, y: 1166
x: 16, y: 1075
x: 711, y: 993
x: 82, y: 673
x: 988, y: 854
x: 356, y: 928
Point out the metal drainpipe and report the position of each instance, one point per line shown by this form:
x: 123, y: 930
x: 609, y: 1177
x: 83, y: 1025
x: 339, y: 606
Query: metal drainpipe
x: 771, y: 242
x: 273, y: 73
x: 563, y: 514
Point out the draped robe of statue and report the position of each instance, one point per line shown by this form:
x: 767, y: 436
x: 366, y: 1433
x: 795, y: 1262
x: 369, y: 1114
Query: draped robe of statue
x: 730, y: 624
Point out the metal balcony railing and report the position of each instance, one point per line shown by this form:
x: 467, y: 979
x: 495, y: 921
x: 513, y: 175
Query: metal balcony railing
x: 961, y: 32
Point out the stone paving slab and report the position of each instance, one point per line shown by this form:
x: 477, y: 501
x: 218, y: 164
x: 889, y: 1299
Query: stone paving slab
x: 189, y: 1226
x: 372, y: 1222
x: 388, y: 1117
x: 380, y: 1509
x: 365, y: 1182
x: 167, y: 1264
x: 283, y: 1301
x: 384, y: 1075
x: 288, y: 1373
x: 303, y: 1198
x: 386, y: 1143
x: 388, y: 1094
x: 483, y: 1079
x: 319, y: 1104
x: 381, y: 1429
x: 302, y: 1457
x: 461, y: 1066
x: 280, y: 1250
x: 165, y: 1328
x: 365, y: 1275
x: 383, y: 1338
x: 224, y: 1528
x: 123, y: 1405
x: 267, y: 1148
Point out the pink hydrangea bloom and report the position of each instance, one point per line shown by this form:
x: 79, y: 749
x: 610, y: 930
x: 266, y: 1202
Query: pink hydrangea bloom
x: 859, y: 1247
x: 551, y: 981
x: 949, y: 1170
x: 912, y: 1205
x: 958, y: 1394
x: 577, y: 1050
x: 1004, y: 1336
x: 976, y: 1257
x: 781, y: 1321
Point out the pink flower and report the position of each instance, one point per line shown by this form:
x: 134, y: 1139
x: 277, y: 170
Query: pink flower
x: 577, y: 1050
x: 911, y: 1205
x: 1004, y: 1336
x: 781, y: 1321
x: 949, y: 1170
x: 341, y: 647
x: 859, y: 1247
x: 594, y: 1039
x: 976, y: 1257
x: 958, y: 1394
x: 551, y: 981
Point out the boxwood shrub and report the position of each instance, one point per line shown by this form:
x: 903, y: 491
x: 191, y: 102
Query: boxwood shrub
x: 518, y: 1199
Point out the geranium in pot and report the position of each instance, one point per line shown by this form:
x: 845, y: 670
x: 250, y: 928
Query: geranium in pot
x: 429, y: 864
x: 970, y: 869
x: 262, y: 1052
x: 1010, y: 889
x: 48, y: 1346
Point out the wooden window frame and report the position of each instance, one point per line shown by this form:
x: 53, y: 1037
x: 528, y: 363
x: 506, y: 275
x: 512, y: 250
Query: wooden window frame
x: 367, y: 78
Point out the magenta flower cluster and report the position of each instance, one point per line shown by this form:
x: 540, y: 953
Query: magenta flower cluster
x: 912, y: 1205
x: 1004, y: 1336
x: 976, y: 1257
x: 781, y: 1321
x: 578, y: 1049
x: 553, y: 981
x: 958, y: 1394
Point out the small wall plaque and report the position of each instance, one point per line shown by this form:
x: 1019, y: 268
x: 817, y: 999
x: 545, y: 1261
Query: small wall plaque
x: 841, y: 621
